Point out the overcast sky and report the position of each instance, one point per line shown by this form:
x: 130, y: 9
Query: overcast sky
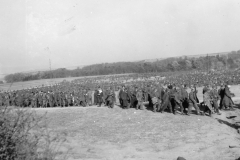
x: 82, y: 32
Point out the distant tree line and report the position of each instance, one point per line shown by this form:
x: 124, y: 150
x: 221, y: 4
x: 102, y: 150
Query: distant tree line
x: 216, y: 62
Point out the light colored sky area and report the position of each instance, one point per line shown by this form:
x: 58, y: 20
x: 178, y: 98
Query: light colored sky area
x: 82, y: 32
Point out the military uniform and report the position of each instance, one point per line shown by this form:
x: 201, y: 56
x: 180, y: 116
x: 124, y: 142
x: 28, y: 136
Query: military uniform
x: 110, y: 98
x: 140, y: 99
x: 166, y: 102
x: 207, y: 102
x: 215, y: 98
x: 99, y: 97
x: 193, y: 102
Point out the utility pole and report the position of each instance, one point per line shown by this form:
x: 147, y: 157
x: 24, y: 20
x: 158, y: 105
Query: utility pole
x: 207, y: 68
x: 50, y: 68
x: 207, y: 63
x: 50, y: 65
x: 227, y: 61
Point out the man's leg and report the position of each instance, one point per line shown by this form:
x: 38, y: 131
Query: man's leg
x: 164, y: 106
x: 196, y: 108
x: 99, y: 101
x: 181, y: 107
x: 141, y: 105
x: 155, y: 107
x: 215, y: 104
x: 190, y: 105
x: 138, y: 105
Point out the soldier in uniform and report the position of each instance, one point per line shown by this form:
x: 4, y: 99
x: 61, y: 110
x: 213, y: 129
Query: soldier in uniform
x: 221, y: 95
x: 193, y: 101
x: 6, y: 99
x: 44, y: 100
x: 215, y: 98
x: 63, y: 99
x: 33, y: 100
x: 145, y: 94
x: 120, y: 95
x: 89, y: 97
x: 133, y: 101
x: 154, y: 94
x: 140, y: 99
x: 227, y: 99
x: 110, y: 98
x: 95, y: 97
x: 125, y: 99
x: 207, y: 101
x: 99, y: 96
x: 184, y: 98
x: 19, y: 99
x: 40, y: 99
x: 82, y: 100
x: 69, y: 99
x: 56, y: 99
x: 173, y: 100
x: 178, y: 100
x: 166, y: 100
x: 51, y: 99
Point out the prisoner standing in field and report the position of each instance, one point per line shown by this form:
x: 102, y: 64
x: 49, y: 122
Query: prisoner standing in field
x: 227, y: 99
x: 207, y: 101
x: 193, y: 101
x: 221, y: 95
x: 215, y: 98
x: 140, y: 99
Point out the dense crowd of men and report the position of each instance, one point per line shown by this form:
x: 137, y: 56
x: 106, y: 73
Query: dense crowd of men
x: 168, y: 92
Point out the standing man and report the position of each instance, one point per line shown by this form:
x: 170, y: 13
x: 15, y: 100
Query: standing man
x: 221, y: 95
x: 207, y: 100
x: 227, y: 100
x: 166, y: 100
x: 110, y: 96
x: 193, y: 100
x: 99, y: 96
x: 215, y: 98
x: 120, y: 96
x: 140, y: 99
x: 184, y: 98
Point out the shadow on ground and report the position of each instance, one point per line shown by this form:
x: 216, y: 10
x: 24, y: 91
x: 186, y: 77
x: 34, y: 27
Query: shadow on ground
x: 228, y: 123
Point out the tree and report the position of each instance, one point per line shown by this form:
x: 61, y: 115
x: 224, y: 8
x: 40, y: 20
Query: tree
x: 175, y: 65
x: 188, y: 64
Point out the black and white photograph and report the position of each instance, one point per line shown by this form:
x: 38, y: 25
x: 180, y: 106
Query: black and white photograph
x: 119, y: 80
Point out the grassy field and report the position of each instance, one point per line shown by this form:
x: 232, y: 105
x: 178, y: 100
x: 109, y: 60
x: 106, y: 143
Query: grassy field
x: 29, y: 84
x: 116, y: 134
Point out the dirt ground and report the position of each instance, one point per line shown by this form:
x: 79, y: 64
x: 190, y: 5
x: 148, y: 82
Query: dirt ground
x: 114, y: 134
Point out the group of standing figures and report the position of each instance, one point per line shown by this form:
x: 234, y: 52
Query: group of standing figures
x: 177, y: 99
x: 49, y: 97
x: 173, y: 98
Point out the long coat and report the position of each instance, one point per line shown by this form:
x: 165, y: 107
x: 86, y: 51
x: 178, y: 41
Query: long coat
x: 207, y: 99
x: 125, y: 98
x: 227, y: 100
x: 193, y: 98
x: 221, y: 95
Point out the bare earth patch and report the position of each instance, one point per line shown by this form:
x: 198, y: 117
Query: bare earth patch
x: 115, y: 134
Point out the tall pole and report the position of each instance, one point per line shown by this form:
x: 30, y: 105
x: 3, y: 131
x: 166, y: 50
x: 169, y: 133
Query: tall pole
x: 207, y: 68
x: 207, y: 63
x: 226, y: 61
x: 50, y: 67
